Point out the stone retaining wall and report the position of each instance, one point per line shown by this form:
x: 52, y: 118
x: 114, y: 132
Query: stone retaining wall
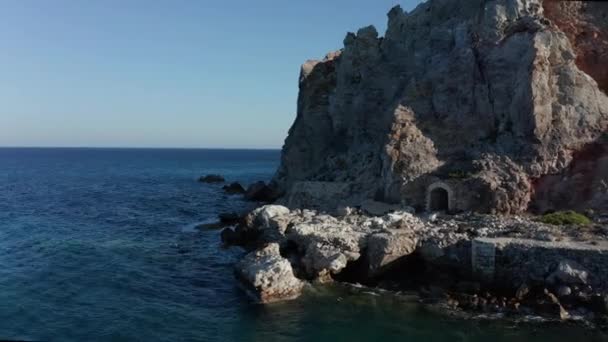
x: 512, y: 262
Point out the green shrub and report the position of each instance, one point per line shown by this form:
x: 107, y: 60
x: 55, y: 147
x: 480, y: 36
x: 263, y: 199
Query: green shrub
x: 459, y: 174
x: 561, y: 218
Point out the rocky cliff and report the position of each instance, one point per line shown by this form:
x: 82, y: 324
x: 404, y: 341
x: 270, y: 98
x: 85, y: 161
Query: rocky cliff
x: 586, y: 25
x: 462, y: 105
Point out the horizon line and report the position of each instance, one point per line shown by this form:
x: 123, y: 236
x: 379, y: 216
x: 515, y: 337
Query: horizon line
x: 144, y: 148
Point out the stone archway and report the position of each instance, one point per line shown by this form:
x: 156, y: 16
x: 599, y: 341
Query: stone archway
x: 439, y: 200
x: 439, y: 197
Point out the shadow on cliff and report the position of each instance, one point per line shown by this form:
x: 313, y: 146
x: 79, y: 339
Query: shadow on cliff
x: 583, y: 185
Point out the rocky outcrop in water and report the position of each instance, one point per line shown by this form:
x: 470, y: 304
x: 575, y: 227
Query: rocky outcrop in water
x: 492, y: 106
x: 234, y: 188
x: 211, y: 179
x: 472, y: 262
x: 267, y: 276
x: 260, y: 192
x: 462, y: 105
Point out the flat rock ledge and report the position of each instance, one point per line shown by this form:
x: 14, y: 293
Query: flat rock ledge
x: 473, y: 262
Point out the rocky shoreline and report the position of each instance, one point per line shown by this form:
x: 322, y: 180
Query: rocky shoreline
x: 436, y: 255
x: 492, y: 111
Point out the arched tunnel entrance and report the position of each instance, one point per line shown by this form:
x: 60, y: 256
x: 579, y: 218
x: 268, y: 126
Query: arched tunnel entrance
x: 440, y: 200
x: 439, y: 197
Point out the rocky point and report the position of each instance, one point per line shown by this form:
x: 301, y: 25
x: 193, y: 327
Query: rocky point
x: 462, y: 105
x: 418, y: 160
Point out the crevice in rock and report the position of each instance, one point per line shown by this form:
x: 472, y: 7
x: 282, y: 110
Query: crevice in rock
x: 354, y: 273
x: 405, y: 273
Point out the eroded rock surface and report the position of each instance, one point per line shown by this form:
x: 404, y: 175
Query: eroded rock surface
x: 317, y: 247
x: 463, y: 106
x: 583, y: 185
x: 327, y: 244
x: 481, y: 96
x: 388, y: 247
x: 267, y: 276
x: 569, y: 273
x: 586, y: 25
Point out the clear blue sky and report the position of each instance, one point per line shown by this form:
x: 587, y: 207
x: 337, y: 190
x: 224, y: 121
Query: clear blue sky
x: 164, y: 73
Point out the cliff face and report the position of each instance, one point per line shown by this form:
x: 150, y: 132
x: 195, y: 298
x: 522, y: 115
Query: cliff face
x: 463, y: 105
x: 582, y: 185
x: 586, y: 25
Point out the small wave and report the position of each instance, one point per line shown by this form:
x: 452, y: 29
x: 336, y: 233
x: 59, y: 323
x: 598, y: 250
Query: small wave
x: 193, y: 227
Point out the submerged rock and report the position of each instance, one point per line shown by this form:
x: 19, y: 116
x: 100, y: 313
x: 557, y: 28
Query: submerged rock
x: 234, y: 188
x: 267, y: 276
x: 230, y: 218
x: 212, y: 179
x: 260, y: 192
x: 230, y: 237
x: 224, y: 220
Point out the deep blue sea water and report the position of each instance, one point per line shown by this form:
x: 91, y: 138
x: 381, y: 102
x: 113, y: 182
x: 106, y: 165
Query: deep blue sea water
x: 99, y: 245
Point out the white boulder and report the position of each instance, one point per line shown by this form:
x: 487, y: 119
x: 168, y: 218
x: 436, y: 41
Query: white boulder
x: 569, y: 272
x: 267, y: 276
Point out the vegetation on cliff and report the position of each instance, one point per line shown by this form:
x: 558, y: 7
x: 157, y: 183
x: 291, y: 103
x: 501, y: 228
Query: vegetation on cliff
x: 562, y: 218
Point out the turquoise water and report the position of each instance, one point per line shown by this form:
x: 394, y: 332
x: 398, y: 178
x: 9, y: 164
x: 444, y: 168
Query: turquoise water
x: 99, y: 245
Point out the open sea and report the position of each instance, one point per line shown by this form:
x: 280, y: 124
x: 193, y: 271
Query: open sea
x: 101, y: 245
